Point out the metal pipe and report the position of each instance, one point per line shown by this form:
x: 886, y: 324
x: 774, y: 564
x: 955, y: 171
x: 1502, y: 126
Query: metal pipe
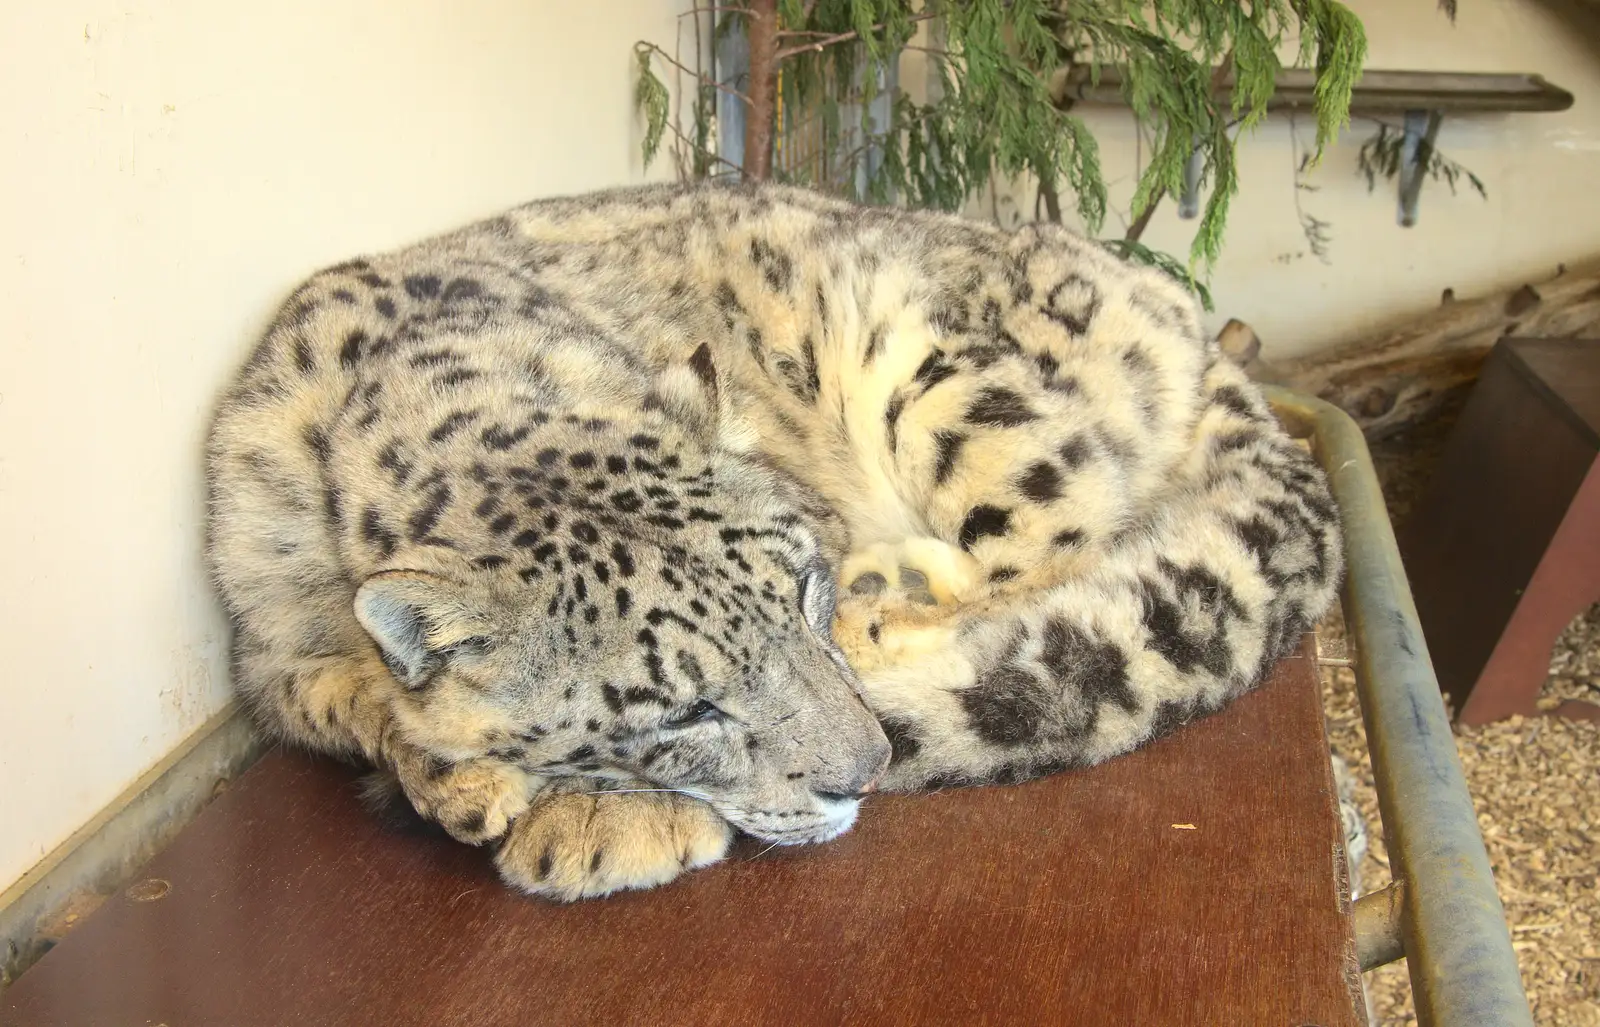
x: 1458, y: 948
x: 1376, y: 919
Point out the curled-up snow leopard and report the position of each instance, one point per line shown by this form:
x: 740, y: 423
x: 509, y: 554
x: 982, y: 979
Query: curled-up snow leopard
x: 546, y: 516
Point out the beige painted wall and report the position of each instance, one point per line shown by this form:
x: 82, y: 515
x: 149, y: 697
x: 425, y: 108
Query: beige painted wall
x: 1542, y: 172
x: 172, y: 168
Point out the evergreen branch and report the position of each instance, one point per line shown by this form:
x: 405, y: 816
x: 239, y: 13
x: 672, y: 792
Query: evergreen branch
x: 989, y: 112
x: 1253, y: 63
x: 1341, y: 48
x: 650, y: 98
x: 1082, y: 165
x: 1207, y: 245
x: 1219, y: 78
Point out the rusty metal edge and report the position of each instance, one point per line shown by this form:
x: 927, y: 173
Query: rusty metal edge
x: 1458, y: 948
x: 1376, y: 918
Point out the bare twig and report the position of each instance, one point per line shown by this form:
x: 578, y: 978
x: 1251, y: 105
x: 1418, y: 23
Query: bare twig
x: 712, y: 10
x: 699, y: 76
x: 1313, y: 228
x: 841, y: 37
x: 1052, y: 203
x: 677, y: 97
x: 870, y: 140
x: 1142, y: 222
x: 685, y: 140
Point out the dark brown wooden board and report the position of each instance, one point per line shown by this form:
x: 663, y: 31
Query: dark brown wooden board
x: 1071, y: 900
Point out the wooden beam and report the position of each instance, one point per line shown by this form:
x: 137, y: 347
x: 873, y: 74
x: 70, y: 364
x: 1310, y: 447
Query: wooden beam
x: 1389, y: 380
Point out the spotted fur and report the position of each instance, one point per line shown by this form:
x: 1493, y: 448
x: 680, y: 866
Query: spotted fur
x: 553, y: 508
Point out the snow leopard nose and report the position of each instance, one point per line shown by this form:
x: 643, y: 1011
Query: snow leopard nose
x: 867, y: 778
x: 880, y: 766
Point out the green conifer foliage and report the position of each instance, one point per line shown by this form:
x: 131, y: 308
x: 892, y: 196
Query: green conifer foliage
x: 990, y: 113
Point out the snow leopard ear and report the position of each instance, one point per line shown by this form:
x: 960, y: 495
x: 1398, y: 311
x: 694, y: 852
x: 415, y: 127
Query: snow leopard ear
x: 420, y: 622
x: 689, y: 392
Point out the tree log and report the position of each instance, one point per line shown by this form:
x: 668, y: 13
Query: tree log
x: 1239, y: 341
x: 1389, y: 381
x: 1240, y: 344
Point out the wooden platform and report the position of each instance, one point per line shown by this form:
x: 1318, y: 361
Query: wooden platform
x: 1199, y: 881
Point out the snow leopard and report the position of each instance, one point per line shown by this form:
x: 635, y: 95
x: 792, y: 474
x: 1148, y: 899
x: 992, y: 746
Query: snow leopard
x: 620, y: 524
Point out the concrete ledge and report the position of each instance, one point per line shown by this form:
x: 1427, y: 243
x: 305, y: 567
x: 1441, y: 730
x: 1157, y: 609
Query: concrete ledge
x: 104, y: 854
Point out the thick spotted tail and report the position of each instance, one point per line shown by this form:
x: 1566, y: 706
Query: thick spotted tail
x: 1175, y: 618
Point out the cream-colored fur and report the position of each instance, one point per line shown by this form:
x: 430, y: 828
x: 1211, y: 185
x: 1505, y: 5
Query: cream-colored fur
x: 548, y: 517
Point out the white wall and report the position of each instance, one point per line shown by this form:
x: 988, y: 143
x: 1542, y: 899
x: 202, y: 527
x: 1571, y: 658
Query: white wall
x: 1542, y: 172
x: 171, y: 169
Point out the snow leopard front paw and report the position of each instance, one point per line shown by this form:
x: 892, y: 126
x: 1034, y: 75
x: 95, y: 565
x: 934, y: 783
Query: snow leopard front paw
x: 920, y: 570
x: 474, y: 800
x: 897, y: 599
x: 577, y: 844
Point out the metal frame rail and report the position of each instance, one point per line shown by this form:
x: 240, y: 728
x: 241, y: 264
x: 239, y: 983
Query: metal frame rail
x: 1442, y: 913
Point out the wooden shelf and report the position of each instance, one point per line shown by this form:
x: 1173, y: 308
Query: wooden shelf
x: 1378, y: 92
x: 1422, y: 98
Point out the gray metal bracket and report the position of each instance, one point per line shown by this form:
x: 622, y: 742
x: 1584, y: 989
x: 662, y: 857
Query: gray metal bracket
x: 1416, y: 150
x: 1189, y: 199
x: 1421, y: 129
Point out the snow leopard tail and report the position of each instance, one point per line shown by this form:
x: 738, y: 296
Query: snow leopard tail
x: 1179, y: 614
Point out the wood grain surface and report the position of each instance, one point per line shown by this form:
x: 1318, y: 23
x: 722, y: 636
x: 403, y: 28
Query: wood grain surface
x: 1198, y: 881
